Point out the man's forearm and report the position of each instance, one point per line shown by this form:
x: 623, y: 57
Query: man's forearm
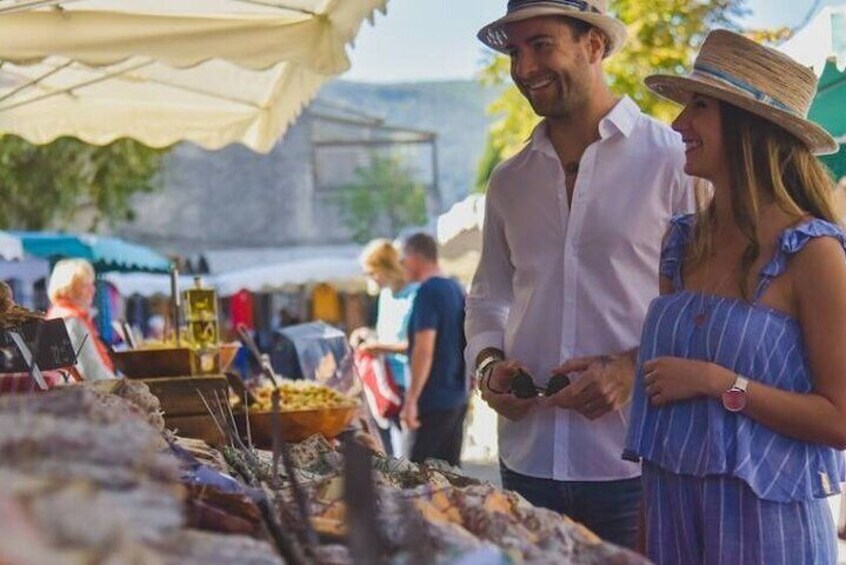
x: 631, y: 355
x: 421, y: 365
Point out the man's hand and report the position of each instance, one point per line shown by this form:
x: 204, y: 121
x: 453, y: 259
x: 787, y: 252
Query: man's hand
x: 605, y: 385
x: 496, y: 392
x: 409, y: 415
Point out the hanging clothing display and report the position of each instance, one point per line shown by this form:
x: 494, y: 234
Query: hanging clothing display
x: 241, y: 309
x: 326, y: 304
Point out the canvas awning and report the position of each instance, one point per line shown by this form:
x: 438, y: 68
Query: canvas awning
x: 104, y: 253
x: 160, y: 71
x: 260, y: 270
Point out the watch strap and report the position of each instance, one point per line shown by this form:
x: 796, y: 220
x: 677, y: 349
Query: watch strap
x: 740, y: 383
x: 486, y: 363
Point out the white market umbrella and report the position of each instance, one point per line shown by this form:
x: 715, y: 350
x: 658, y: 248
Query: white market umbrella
x: 459, y: 236
x: 342, y: 273
x: 161, y: 71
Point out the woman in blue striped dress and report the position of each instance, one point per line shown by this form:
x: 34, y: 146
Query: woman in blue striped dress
x: 739, y: 403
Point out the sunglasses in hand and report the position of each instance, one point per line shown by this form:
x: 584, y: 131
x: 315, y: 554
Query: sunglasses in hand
x: 523, y: 386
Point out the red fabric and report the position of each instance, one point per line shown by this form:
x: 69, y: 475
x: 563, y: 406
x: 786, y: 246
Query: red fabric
x: 241, y: 309
x: 65, y: 309
x: 11, y: 383
x: 381, y: 390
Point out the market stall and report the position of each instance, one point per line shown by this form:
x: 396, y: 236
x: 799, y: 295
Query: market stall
x: 286, y: 478
x: 106, y: 254
x: 95, y: 475
x: 256, y: 285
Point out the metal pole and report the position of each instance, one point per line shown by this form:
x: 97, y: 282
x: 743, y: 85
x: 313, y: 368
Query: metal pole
x: 175, y: 303
x: 436, y: 187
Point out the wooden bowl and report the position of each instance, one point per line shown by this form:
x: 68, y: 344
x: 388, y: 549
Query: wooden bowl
x: 297, y: 425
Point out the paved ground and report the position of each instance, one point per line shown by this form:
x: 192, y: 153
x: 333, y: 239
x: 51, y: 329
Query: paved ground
x: 488, y: 472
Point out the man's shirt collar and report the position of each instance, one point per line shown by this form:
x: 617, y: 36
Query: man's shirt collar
x: 621, y: 119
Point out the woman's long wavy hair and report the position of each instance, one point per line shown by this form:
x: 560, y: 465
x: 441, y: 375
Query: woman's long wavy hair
x: 765, y: 161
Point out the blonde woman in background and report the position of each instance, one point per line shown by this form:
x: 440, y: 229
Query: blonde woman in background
x: 71, y: 291
x: 380, y: 261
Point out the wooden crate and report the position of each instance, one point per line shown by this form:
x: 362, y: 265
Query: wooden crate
x: 169, y: 362
x: 180, y: 396
x: 183, y: 408
x: 197, y: 427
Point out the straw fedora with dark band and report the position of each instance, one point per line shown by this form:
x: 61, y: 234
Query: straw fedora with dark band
x: 590, y: 11
x: 758, y: 79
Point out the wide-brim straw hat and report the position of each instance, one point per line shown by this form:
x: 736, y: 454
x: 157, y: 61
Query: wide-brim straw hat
x: 758, y: 79
x: 591, y: 11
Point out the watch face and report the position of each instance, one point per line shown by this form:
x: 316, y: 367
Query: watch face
x: 734, y: 400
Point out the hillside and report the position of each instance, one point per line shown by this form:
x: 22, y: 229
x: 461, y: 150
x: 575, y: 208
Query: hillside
x: 455, y: 110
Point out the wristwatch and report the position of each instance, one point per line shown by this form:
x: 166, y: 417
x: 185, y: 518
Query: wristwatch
x: 734, y: 399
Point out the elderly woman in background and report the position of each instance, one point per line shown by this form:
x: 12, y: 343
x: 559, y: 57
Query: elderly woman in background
x: 381, y: 263
x: 71, y: 291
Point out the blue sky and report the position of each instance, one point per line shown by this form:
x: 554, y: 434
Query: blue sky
x: 435, y: 39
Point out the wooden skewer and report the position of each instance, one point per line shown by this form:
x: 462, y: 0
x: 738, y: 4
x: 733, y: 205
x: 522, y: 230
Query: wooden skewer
x: 281, y: 449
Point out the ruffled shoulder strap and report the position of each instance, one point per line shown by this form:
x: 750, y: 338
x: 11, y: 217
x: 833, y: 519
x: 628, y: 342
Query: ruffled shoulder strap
x: 792, y: 241
x: 672, y: 253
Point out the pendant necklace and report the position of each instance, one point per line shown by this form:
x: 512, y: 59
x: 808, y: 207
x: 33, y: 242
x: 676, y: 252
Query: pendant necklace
x: 700, y: 317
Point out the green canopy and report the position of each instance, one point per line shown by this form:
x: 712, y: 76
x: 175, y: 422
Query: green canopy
x: 829, y: 110
x: 106, y: 254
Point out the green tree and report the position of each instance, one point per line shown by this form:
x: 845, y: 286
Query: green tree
x: 664, y: 36
x: 383, y: 196
x: 51, y: 185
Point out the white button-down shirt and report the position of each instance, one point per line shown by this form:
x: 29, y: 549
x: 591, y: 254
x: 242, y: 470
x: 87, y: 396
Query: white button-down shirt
x: 558, y: 281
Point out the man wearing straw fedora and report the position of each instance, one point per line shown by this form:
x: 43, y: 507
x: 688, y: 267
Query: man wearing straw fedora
x: 569, y: 264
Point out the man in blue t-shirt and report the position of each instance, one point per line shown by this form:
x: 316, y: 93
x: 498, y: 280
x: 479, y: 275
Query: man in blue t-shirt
x: 436, y: 397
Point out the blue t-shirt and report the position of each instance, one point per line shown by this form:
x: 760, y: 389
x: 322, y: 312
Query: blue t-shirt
x: 439, y: 306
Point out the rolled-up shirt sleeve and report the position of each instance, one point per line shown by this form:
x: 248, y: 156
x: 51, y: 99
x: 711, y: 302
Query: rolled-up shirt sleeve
x: 491, y: 292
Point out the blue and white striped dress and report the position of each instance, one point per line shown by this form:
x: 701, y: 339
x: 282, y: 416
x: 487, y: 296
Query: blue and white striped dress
x: 718, y: 486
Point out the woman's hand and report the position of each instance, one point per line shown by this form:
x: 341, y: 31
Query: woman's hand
x: 672, y: 379
x: 373, y: 348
